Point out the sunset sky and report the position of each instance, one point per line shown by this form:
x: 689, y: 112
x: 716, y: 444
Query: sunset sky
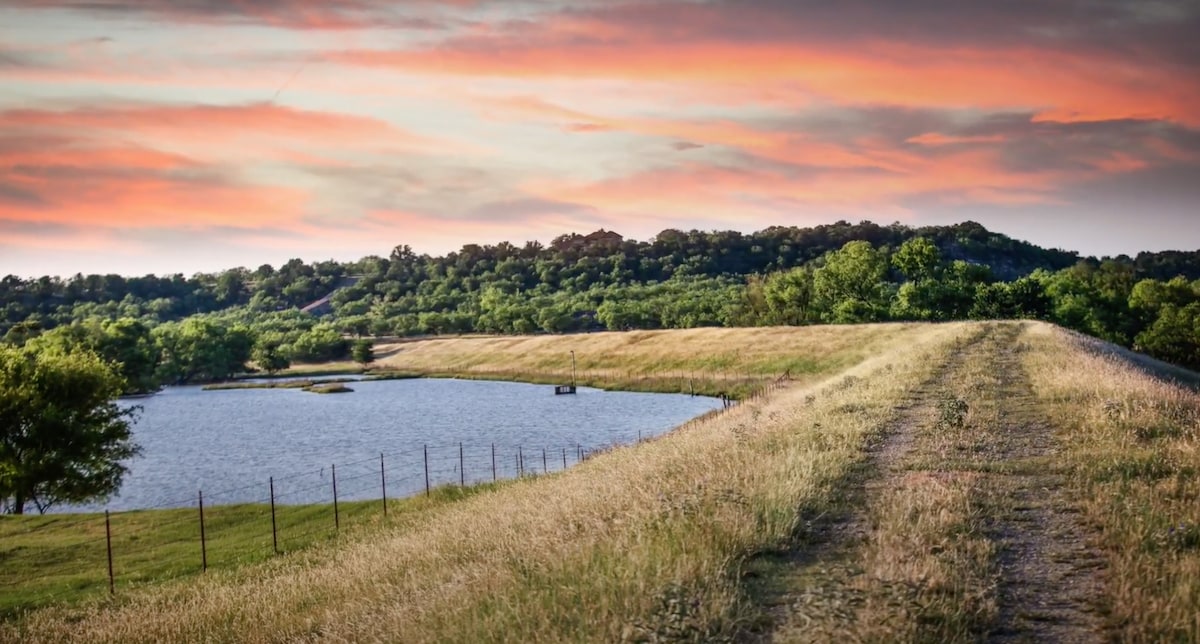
x: 172, y: 136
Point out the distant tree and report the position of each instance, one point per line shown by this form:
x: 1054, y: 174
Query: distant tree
x: 63, y: 438
x: 1174, y: 336
x: 200, y: 349
x: 918, y: 259
x: 852, y: 286
x: 270, y: 357
x: 320, y: 343
x: 21, y: 332
x: 788, y: 296
x: 363, y: 352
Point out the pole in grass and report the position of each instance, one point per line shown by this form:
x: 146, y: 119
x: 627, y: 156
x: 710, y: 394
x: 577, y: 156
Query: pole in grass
x: 425, y: 448
x: 337, y: 524
x: 203, y: 542
x: 274, y: 526
x: 544, y: 467
x: 112, y: 586
x: 462, y: 471
x: 493, y: 462
x: 383, y: 483
x: 564, y: 454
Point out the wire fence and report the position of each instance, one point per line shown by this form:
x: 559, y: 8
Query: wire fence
x: 58, y: 557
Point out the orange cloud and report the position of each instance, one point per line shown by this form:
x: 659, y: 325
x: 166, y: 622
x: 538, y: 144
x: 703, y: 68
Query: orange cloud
x: 936, y: 138
x: 112, y: 187
x: 1062, y: 85
x: 216, y: 128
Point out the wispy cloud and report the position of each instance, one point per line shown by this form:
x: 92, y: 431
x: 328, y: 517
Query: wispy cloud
x: 358, y: 124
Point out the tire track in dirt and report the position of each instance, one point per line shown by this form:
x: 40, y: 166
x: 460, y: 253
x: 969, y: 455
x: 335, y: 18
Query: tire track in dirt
x: 1045, y: 578
x: 1050, y: 578
x: 829, y: 540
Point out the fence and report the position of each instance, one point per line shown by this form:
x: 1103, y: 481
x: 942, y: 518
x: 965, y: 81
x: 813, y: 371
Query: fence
x: 65, y: 557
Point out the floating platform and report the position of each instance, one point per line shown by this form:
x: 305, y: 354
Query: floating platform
x: 563, y: 389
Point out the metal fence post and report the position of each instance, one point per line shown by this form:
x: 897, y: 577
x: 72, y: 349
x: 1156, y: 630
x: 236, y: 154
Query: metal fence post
x: 425, y: 448
x: 520, y: 462
x: 564, y: 450
x: 203, y: 541
x: 383, y: 483
x: 462, y: 471
x: 545, y: 468
x: 337, y: 524
x: 493, y: 462
x: 274, y: 526
x: 112, y: 586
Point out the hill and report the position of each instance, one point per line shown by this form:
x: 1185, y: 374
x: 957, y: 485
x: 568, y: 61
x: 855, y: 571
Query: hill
x: 927, y: 483
x: 837, y: 273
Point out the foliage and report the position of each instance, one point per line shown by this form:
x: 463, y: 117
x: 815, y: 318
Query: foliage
x: 852, y: 284
x: 836, y: 273
x: 363, y: 351
x: 62, y: 436
x: 201, y: 349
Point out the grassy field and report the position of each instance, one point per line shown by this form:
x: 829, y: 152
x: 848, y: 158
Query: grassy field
x: 707, y: 361
x: 62, y: 558
x: 913, y: 483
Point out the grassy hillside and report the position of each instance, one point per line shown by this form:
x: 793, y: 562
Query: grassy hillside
x: 711, y: 360
x: 915, y: 483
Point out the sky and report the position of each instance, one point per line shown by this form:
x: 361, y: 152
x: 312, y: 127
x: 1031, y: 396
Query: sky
x: 165, y: 136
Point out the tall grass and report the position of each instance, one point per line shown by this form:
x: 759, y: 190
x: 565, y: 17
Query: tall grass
x: 1131, y: 437
x: 640, y: 543
x: 721, y: 354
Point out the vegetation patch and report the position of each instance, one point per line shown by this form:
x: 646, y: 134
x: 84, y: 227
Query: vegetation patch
x: 334, y: 388
x: 1140, y: 488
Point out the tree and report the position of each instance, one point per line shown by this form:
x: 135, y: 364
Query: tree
x: 62, y: 436
x: 270, y: 357
x: 852, y: 285
x: 1174, y: 336
x: 787, y: 296
x: 363, y: 352
x: 199, y: 349
x: 918, y: 259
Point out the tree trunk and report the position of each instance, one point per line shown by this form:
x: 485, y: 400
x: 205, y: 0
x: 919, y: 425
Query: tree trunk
x: 18, y: 503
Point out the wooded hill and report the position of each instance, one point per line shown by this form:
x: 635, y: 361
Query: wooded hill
x: 837, y: 273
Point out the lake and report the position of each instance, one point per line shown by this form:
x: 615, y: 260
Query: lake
x: 228, y: 443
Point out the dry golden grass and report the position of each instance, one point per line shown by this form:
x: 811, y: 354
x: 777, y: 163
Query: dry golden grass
x: 639, y: 543
x: 705, y: 352
x: 1130, y: 433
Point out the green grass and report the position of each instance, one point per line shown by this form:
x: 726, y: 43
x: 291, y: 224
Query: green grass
x: 62, y: 558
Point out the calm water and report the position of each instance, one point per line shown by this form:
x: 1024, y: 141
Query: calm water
x: 229, y: 442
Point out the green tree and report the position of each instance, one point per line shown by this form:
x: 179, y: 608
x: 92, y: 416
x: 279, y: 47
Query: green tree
x: 1174, y: 336
x: 319, y: 344
x: 788, y: 296
x: 200, y: 349
x: 127, y: 343
x: 62, y: 436
x: 363, y: 351
x: 852, y: 285
x: 918, y: 259
x: 270, y: 357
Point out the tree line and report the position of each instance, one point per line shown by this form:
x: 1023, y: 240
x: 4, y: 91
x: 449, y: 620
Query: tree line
x: 174, y: 330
